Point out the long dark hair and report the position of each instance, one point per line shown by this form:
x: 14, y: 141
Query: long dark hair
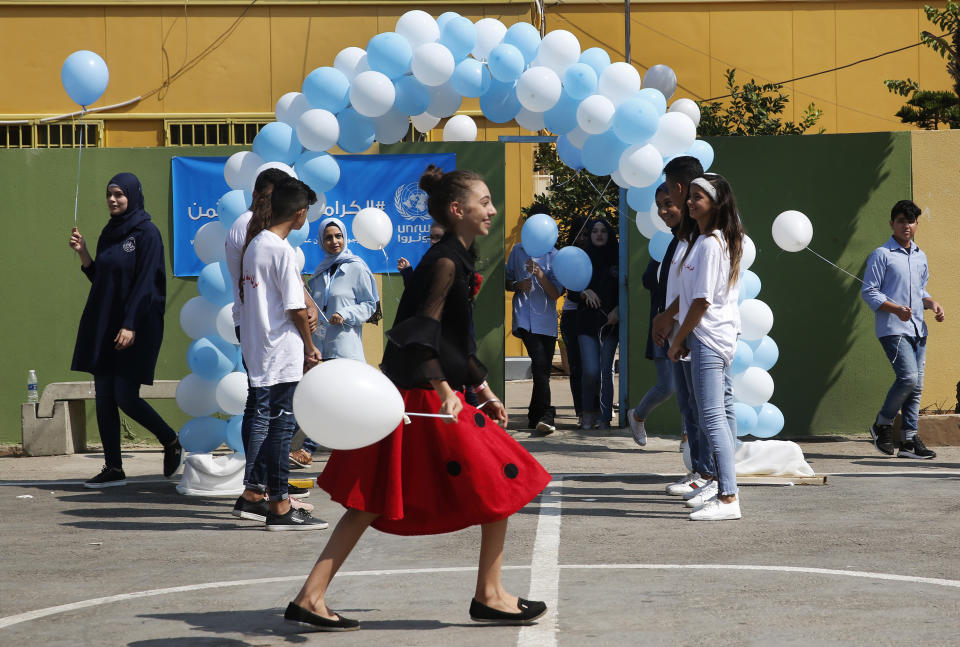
x: 260, y: 209
x: 607, y: 254
x: 726, y: 218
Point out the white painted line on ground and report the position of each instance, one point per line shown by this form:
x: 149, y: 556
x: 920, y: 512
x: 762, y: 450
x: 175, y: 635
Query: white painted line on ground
x: 545, y: 570
x: 130, y: 481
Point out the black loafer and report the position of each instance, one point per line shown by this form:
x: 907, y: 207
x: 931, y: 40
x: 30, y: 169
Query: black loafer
x: 529, y: 612
x: 297, y: 615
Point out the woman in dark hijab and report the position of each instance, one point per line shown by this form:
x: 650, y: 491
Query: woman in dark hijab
x: 121, y: 328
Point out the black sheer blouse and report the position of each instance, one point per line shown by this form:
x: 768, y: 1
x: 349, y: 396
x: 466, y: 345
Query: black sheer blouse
x: 432, y: 336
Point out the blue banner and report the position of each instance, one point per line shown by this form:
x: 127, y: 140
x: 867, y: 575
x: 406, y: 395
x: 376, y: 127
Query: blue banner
x: 388, y: 182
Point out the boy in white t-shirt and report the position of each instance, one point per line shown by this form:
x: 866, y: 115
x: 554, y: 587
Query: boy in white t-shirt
x: 277, y: 345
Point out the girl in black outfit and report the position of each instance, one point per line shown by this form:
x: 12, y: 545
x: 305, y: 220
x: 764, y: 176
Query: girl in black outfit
x: 122, y: 324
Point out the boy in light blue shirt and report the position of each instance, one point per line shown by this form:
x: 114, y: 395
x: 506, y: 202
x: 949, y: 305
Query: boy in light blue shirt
x: 895, y: 288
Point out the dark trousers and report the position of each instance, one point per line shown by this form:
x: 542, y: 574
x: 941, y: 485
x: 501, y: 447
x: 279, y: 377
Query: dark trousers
x: 568, y: 330
x: 540, y: 349
x: 115, y: 392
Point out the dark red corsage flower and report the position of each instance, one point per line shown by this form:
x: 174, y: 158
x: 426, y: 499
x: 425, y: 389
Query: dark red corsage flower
x: 477, y: 282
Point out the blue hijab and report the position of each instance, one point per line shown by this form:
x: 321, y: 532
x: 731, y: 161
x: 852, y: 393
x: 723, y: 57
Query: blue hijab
x: 119, y: 227
x: 329, y: 260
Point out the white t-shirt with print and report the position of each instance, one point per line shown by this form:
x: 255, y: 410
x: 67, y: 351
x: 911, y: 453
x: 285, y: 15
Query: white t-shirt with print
x: 673, y: 283
x: 233, y: 247
x: 271, y: 344
x: 704, y: 275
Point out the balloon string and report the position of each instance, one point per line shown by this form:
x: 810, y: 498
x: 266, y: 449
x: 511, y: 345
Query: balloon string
x: 429, y: 415
x: 76, y: 196
x: 390, y: 280
x: 853, y: 276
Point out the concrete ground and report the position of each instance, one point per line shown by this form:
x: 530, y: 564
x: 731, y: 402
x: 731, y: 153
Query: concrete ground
x: 868, y: 559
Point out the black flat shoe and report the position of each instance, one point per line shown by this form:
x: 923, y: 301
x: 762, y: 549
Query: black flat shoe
x: 529, y: 611
x: 297, y: 615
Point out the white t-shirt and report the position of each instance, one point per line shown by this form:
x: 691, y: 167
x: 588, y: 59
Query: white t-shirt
x: 271, y: 344
x: 673, y: 282
x: 233, y: 246
x: 704, y: 275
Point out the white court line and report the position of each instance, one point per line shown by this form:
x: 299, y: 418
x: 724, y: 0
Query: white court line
x: 545, y: 570
x: 83, y: 604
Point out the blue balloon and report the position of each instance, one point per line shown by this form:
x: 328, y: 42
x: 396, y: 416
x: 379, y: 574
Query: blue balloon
x: 277, y: 142
x: 746, y: 418
x: 84, y: 76
x: 203, y: 435
x: 389, y: 53
x: 635, y: 121
x: 446, y: 17
x: 562, y: 117
x: 568, y: 153
x: 500, y: 104
x: 769, y: 421
x: 327, y: 88
x: 413, y: 97
x: 471, y: 78
x: 231, y: 206
x: 572, y: 268
x: 214, y: 284
x: 641, y: 198
x: 211, y: 357
x: 235, y: 434
x: 356, y: 131
x: 506, y: 63
x: 539, y: 234
x: 298, y: 237
x: 658, y: 245
x: 459, y: 35
x: 580, y: 81
x: 601, y: 153
x: 320, y: 171
x: 742, y: 358
x: 703, y: 152
x: 597, y: 58
x: 655, y: 98
x: 749, y: 285
x: 524, y: 37
x: 766, y: 353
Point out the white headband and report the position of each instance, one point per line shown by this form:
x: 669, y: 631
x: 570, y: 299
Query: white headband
x: 708, y: 188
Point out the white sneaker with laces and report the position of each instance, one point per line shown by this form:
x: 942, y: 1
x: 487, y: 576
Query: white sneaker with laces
x: 637, y: 430
x: 683, y: 485
x: 717, y: 510
x: 700, y: 484
x: 707, y: 492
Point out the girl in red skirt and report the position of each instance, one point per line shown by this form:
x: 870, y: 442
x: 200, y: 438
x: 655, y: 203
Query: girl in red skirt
x: 434, y: 475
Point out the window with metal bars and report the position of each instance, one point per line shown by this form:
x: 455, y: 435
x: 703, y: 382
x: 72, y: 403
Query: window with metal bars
x: 16, y: 136
x: 69, y: 135
x: 226, y: 132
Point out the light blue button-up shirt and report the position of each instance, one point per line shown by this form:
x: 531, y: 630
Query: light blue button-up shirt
x: 898, y: 275
x: 534, y: 310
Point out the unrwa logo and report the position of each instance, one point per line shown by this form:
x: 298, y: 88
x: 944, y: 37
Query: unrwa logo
x: 411, y: 202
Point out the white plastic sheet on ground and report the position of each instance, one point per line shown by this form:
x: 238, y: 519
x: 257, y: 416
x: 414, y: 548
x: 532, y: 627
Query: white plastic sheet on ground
x: 209, y: 475
x: 771, y: 458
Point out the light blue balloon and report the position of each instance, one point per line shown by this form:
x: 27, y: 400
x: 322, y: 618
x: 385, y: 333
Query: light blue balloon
x: 539, y: 234
x: 658, y: 245
x: 562, y: 117
x: 235, y: 434
x: 506, y: 63
x: 320, y: 171
x: 635, y: 121
x: 580, y: 81
x: 471, y: 78
x: 703, y: 152
x: 656, y: 99
x: 231, y: 206
x: 572, y: 268
x: 769, y: 421
x: 601, y: 153
x: 298, y: 237
x: 749, y: 285
x: 327, y: 88
x: 459, y: 35
x: 356, y: 131
x: 746, y: 418
x: 499, y: 103
x: 203, y: 435
x: 413, y: 97
x: 766, y: 354
x: 389, y: 53
x: 277, y: 142
x: 524, y: 37
x: 641, y: 199
x: 211, y: 357
x: 597, y: 58
x: 84, y: 76
x: 214, y: 284
x: 446, y: 17
x: 568, y: 153
x: 742, y: 358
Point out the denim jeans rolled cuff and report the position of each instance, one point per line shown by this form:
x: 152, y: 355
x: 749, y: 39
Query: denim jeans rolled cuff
x: 659, y: 392
x: 713, y: 388
x: 700, y: 459
x: 908, y: 357
x: 253, y: 431
x: 281, y: 427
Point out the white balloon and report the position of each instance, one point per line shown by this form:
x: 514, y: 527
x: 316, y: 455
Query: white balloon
x: 539, y: 89
x: 595, y: 114
x: 372, y: 93
x: 418, y: 27
x: 240, y: 170
x: 346, y: 404
x: 675, y: 134
x: 460, y: 128
x: 618, y: 178
x: 231, y: 393
x: 318, y: 129
x: 619, y: 82
x: 391, y: 127
x: 290, y: 106
x: 688, y: 107
x: 208, y: 242
x: 792, y: 231
x: 432, y: 64
x: 661, y: 77
x: 263, y: 167
x: 301, y: 261
x: 372, y: 228
x: 578, y: 136
x: 756, y: 319
x: 644, y: 225
x: 225, y: 327
x: 753, y: 387
x: 530, y: 120
x: 351, y: 61
x: 657, y: 220
x: 424, y: 122
x: 444, y: 101
x: 315, y: 211
x: 198, y: 318
x: 490, y: 32
x: 641, y: 165
x: 749, y: 254
x: 196, y: 396
x: 559, y: 49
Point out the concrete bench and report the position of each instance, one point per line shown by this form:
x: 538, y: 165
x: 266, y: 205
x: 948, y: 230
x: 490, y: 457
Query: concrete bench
x: 58, y: 423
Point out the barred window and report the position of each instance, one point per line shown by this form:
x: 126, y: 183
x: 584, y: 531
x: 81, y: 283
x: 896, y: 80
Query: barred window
x: 16, y: 136
x: 69, y: 134
x: 223, y: 132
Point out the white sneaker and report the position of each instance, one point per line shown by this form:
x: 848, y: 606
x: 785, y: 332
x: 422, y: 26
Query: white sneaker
x: 683, y: 485
x: 705, y: 493
x: 717, y: 510
x: 696, y: 486
x: 636, y: 428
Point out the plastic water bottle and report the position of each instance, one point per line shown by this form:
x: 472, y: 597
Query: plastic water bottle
x: 33, y: 391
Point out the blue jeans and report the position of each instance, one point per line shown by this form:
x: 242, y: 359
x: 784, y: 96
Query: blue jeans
x: 696, y: 441
x: 713, y: 390
x: 908, y: 357
x: 568, y: 331
x: 659, y: 392
x: 268, y: 427
x: 596, y: 360
x: 115, y: 391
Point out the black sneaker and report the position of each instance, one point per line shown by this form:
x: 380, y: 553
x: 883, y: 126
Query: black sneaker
x: 252, y: 510
x: 108, y: 477
x: 883, y: 438
x: 914, y: 448
x: 299, y: 492
x: 294, y: 520
x: 172, y: 458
